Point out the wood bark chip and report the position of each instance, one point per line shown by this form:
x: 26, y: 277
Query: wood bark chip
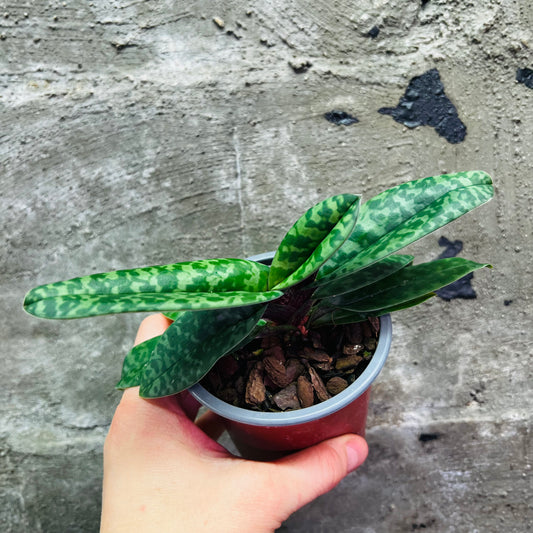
x: 316, y: 355
x: 255, y: 388
x: 275, y: 351
x: 321, y: 359
x: 306, y: 393
x: 294, y: 369
x: 352, y: 349
x: 348, y: 362
x: 374, y: 322
x: 275, y: 370
x: 318, y: 385
x: 336, y: 385
x: 287, y: 398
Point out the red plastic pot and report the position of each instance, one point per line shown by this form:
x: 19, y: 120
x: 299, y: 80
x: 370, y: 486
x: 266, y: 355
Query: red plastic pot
x: 262, y: 435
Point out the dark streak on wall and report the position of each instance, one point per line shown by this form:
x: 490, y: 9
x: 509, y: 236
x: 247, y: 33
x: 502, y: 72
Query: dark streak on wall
x: 425, y: 104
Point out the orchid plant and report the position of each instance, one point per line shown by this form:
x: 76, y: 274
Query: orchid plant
x: 336, y: 265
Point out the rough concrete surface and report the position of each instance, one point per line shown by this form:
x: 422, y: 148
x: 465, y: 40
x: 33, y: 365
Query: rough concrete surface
x: 136, y: 133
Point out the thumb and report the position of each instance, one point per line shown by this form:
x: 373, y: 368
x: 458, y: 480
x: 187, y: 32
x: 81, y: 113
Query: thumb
x: 316, y: 470
x: 152, y: 326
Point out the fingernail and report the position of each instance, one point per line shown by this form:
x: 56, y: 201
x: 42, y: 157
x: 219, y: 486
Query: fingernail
x: 352, y: 453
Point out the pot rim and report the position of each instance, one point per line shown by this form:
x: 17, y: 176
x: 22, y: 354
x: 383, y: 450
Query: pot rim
x: 307, y: 414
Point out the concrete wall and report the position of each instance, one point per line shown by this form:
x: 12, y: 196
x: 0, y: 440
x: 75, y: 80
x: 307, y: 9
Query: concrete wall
x: 138, y: 133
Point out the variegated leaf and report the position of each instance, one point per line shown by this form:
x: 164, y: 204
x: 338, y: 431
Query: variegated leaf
x: 83, y: 305
x: 139, y: 356
x: 361, y: 278
x: 192, y: 345
x: 205, y: 276
x: 343, y: 316
x: 134, y: 363
x: 404, y: 214
x: 407, y: 284
x: 313, y: 239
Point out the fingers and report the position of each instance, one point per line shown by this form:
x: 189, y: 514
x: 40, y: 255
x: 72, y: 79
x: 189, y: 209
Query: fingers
x: 152, y: 326
x: 316, y: 470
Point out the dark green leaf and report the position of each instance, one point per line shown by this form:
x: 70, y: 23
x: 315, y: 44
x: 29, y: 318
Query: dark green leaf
x: 313, y: 239
x: 192, y: 345
x: 343, y: 316
x: 361, y: 278
x: 405, y: 285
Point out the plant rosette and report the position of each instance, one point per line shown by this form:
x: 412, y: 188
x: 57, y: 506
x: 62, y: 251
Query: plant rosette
x: 263, y: 435
x: 337, y: 265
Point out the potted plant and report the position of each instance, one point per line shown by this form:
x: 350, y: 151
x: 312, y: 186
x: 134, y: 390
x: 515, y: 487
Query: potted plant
x: 336, y: 266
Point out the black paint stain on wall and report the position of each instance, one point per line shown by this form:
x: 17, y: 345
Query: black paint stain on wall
x: 340, y: 118
x: 425, y: 104
x: 373, y: 32
x: 451, y: 248
x: 426, y: 437
x: 525, y: 76
x: 462, y: 288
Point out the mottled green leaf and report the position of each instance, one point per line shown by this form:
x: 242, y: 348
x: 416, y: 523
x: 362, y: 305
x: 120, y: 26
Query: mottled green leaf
x: 343, y: 316
x: 352, y: 281
x: 192, y: 345
x: 212, y: 275
x: 313, y: 239
x: 134, y: 363
x: 81, y: 306
x: 405, y: 285
x: 404, y: 214
x: 139, y: 356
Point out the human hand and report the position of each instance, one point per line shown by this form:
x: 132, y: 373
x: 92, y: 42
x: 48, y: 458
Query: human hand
x: 165, y: 473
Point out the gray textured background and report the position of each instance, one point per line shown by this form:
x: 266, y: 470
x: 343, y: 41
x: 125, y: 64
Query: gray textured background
x: 136, y: 133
